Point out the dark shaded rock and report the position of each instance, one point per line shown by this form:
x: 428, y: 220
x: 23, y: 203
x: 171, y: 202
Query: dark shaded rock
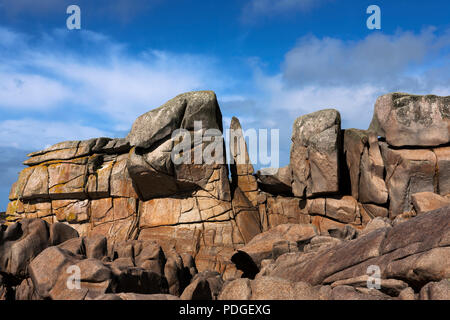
x: 278, y: 183
x: 246, y: 216
x: 26, y: 291
x: 138, y: 280
x: 21, y: 242
x: 95, y: 246
x: 204, y: 286
x: 408, y: 171
x: 60, y: 232
x: 248, y: 258
x: 74, y: 245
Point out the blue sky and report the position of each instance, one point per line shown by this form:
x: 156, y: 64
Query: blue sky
x: 268, y: 61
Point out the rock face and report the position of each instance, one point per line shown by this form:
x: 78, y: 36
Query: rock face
x: 271, y: 244
x: 407, y: 172
x: 131, y: 189
x: 60, y: 265
x: 366, y: 166
x: 155, y: 215
x: 315, y: 153
x: 241, y: 169
x: 428, y: 201
x: 153, y: 141
x: 278, y: 183
x: 411, y: 120
x: 415, y: 251
x: 22, y: 241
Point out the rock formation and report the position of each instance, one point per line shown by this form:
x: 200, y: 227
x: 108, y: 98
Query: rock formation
x: 155, y: 215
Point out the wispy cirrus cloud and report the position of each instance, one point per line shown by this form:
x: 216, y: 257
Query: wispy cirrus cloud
x: 99, y: 77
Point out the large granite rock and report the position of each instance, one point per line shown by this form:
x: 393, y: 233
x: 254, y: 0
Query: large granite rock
x: 443, y: 170
x: 415, y: 251
x: 316, y: 139
x: 154, y: 144
x: 270, y: 244
x: 86, y: 267
x: 408, y: 171
x: 180, y: 112
x: 278, y: 183
x: 272, y: 288
x: 241, y: 168
x: 366, y: 166
x: 22, y: 241
x: 114, y: 187
x: 412, y: 120
x: 428, y: 201
x: 141, y: 224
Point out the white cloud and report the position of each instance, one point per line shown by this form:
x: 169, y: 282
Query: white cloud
x: 350, y: 75
x: 101, y: 78
x: 378, y: 57
x: 114, y: 87
x: 31, y: 91
x: 31, y: 134
x: 355, y: 103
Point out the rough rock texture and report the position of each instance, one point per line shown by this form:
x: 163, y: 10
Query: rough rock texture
x: 436, y: 291
x: 316, y: 139
x: 22, y: 241
x: 86, y: 267
x: 241, y: 169
x: 412, y: 120
x: 428, y: 201
x: 366, y: 166
x: 271, y: 244
x: 204, y: 286
x: 271, y: 288
x: 130, y: 188
x: 141, y: 223
x: 153, y: 141
x: 278, y: 183
x: 416, y: 252
x: 408, y: 171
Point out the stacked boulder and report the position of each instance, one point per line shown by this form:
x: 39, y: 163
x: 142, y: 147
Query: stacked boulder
x: 132, y: 189
x: 416, y: 151
x: 135, y: 193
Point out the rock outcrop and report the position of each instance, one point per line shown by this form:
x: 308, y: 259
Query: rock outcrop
x: 42, y: 261
x: 160, y: 214
x: 416, y: 252
x: 412, y: 120
x: 316, y: 140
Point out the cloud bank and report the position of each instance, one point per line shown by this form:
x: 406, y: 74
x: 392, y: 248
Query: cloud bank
x: 52, y: 90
